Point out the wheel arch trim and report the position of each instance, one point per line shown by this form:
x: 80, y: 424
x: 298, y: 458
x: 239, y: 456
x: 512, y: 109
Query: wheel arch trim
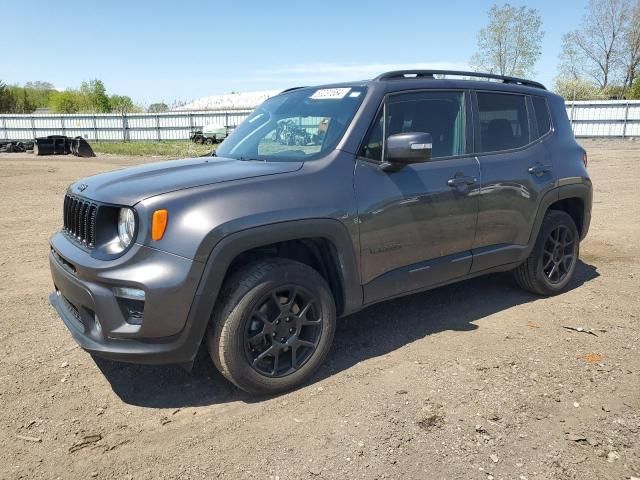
x: 582, y: 190
x: 232, y: 245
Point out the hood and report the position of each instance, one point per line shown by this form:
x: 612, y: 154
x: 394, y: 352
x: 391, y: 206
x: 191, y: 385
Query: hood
x: 131, y: 185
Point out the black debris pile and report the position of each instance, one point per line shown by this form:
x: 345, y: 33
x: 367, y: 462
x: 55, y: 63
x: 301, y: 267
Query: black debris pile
x: 15, y: 146
x: 51, y: 145
x: 62, y: 145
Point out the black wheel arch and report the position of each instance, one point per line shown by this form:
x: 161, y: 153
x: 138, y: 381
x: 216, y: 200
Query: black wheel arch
x: 574, y: 198
x: 324, y: 244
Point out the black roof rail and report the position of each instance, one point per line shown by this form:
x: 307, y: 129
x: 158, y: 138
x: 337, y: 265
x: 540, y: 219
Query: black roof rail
x: 402, y: 74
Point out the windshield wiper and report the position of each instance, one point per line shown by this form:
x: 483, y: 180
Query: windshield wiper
x: 249, y: 159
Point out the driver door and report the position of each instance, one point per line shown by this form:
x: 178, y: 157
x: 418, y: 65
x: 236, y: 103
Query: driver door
x: 417, y: 223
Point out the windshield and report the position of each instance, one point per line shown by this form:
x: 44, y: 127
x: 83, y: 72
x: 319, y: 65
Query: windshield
x: 298, y: 125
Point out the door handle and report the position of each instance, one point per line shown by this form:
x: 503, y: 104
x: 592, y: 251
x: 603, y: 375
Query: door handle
x: 539, y: 169
x: 459, y: 181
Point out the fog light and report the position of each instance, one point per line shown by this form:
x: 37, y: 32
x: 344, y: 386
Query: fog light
x: 130, y: 293
x: 131, y: 302
x: 133, y: 310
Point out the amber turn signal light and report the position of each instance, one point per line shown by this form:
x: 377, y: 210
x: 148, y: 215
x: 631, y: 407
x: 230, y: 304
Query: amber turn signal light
x: 158, y: 224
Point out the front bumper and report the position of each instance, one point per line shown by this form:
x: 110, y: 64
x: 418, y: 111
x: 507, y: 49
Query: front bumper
x: 174, y: 318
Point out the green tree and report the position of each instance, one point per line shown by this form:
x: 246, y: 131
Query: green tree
x: 158, y: 107
x: 68, y: 101
x: 122, y: 104
x: 634, y: 93
x: 8, y: 101
x: 96, y: 94
x: 578, y: 89
x: 511, y: 43
x: 23, y: 101
x: 39, y: 93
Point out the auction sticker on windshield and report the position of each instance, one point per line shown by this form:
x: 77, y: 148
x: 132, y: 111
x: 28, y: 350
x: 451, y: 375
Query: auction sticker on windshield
x: 330, y: 93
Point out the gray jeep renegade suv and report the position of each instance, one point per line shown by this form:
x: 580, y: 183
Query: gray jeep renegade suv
x: 323, y: 201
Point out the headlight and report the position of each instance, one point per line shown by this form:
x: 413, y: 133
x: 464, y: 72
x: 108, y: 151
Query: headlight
x: 126, y: 226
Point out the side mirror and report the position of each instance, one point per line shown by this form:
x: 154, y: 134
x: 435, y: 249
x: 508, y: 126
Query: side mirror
x: 411, y: 147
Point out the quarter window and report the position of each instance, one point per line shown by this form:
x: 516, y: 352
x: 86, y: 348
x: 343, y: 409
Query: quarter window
x: 542, y: 115
x: 372, y: 147
x: 503, y: 121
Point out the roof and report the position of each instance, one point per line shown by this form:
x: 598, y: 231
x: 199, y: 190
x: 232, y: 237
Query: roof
x: 442, y: 79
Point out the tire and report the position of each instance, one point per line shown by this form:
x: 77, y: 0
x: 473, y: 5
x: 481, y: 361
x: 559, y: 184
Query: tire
x: 209, y: 141
x: 537, y: 273
x: 251, y: 312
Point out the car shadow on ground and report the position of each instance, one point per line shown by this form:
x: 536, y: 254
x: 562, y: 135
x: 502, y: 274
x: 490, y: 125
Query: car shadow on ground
x: 375, y: 331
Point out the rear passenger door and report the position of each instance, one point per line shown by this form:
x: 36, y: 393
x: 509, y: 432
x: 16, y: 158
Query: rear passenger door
x: 511, y: 132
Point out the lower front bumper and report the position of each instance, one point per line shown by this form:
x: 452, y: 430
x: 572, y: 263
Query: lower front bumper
x: 178, y: 349
x: 174, y: 320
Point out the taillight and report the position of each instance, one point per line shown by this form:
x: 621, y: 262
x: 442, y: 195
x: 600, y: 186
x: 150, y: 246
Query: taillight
x: 584, y: 159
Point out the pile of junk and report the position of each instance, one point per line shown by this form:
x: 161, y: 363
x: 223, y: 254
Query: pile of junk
x: 51, y: 145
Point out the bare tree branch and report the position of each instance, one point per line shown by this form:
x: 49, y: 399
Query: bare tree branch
x: 510, y: 43
x: 595, y: 49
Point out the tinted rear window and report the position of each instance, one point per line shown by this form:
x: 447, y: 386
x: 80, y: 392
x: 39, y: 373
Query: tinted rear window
x: 504, y: 123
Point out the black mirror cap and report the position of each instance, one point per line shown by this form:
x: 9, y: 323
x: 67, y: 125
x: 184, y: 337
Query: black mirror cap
x: 410, y: 147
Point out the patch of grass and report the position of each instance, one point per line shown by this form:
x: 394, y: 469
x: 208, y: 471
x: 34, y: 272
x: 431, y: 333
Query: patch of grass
x: 176, y: 149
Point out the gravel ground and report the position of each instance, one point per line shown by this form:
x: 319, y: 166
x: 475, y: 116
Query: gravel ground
x: 477, y: 380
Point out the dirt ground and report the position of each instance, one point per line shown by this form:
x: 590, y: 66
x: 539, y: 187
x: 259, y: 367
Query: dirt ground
x: 477, y: 380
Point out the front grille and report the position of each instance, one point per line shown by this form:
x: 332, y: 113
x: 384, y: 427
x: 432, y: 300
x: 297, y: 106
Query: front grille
x: 80, y: 220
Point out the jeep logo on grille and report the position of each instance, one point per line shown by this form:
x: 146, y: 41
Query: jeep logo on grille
x: 82, y: 187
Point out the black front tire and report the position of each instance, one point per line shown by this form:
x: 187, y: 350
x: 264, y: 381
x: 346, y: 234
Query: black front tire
x: 241, y: 295
x: 534, y: 274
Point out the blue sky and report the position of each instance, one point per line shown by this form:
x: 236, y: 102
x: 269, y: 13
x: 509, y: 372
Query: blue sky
x: 167, y: 50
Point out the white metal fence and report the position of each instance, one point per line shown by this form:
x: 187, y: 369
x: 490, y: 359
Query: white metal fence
x: 607, y: 118
x: 116, y: 127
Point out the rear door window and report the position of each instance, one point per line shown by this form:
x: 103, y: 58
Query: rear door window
x: 503, y: 121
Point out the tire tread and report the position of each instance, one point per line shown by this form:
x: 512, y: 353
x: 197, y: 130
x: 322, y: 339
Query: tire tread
x: 220, y: 337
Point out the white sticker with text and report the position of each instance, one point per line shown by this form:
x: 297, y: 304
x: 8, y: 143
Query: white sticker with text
x: 330, y: 93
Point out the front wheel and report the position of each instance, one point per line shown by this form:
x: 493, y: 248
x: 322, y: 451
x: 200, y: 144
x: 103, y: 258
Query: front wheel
x: 552, y: 262
x: 273, y: 326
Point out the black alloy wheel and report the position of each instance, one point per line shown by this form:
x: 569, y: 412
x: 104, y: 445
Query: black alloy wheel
x: 273, y: 325
x: 283, y: 331
x: 559, y: 254
x: 553, y: 259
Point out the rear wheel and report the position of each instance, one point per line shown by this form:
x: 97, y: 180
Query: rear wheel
x: 273, y: 326
x: 209, y: 141
x: 552, y: 262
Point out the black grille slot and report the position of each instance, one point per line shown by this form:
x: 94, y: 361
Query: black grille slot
x: 80, y: 220
x: 72, y: 308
